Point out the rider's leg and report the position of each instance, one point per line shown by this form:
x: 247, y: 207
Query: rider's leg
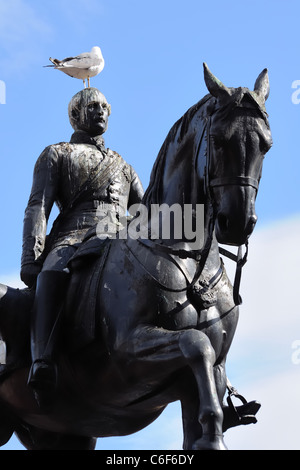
x: 49, y: 297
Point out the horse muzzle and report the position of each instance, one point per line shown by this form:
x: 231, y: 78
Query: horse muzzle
x: 230, y: 232
x: 235, y: 217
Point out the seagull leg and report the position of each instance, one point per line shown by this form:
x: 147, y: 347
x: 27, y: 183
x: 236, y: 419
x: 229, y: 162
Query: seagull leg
x: 84, y: 84
x: 88, y: 79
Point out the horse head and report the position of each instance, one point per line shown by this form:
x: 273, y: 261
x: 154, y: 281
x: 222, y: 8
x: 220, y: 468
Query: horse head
x: 238, y: 137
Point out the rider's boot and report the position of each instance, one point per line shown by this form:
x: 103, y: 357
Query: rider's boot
x: 49, y: 298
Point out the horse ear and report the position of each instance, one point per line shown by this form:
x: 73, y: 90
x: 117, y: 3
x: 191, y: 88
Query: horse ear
x: 214, y: 85
x: 262, y: 85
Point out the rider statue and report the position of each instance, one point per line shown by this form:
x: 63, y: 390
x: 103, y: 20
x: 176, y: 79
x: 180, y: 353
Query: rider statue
x: 78, y: 176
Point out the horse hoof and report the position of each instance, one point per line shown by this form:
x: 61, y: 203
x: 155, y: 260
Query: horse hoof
x: 210, y: 443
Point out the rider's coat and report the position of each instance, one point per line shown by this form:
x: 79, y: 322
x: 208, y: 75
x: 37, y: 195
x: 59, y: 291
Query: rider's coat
x: 78, y: 177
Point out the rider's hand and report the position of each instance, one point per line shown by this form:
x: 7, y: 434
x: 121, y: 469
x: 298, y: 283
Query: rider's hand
x: 29, y: 273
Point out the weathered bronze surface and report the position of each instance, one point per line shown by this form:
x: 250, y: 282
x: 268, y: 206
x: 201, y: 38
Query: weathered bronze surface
x: 132, y: 324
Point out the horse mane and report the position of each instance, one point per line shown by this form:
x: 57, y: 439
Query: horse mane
x: 179, y: 130
x: 241, y: 98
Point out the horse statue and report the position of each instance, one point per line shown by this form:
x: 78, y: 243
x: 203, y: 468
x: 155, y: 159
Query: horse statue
x: 150, y: 321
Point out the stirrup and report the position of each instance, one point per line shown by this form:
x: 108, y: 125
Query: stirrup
x: 243, y: 414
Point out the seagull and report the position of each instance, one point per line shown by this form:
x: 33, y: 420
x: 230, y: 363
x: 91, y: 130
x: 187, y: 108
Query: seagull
x: 82, y: 66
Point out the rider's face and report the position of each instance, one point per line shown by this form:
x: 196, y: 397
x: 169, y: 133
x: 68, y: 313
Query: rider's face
x: 94, y: 116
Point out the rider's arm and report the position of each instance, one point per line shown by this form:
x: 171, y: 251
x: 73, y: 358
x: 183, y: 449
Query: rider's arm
x: 136, y: 189
x: 41, y: 200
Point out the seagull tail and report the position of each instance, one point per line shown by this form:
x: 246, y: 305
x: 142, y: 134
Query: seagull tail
x: 54, y: 61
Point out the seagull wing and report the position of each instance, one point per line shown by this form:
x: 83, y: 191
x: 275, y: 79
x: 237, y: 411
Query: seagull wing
x: 82, y: 61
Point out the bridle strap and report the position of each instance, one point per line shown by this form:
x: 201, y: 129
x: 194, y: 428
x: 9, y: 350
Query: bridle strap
x: 181, y: 253
x: 199, y: 256
x: 234, y: 180
x: 228, y: 181
x: 240, y: 261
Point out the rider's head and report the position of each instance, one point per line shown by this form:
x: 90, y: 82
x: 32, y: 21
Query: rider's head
x: 89, y: 111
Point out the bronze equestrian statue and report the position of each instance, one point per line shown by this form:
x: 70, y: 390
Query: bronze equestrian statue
x: 72, y: 175
x: 145, y: 321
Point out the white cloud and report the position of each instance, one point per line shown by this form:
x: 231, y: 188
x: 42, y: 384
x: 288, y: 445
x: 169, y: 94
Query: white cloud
x: 22, y: 31
x: 270, y: 314
x: 278, y: 419
x: 26, y: 30
x: 260, y: 359
x: 18, y: 20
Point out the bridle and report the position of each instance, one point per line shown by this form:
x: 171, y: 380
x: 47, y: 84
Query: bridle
x: 240, y: 259
x: 201, y: 255
x: 210, y: 183
x: 235, y: 180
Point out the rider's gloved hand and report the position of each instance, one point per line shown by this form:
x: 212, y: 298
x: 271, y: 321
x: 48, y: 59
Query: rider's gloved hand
x: 29, y: 273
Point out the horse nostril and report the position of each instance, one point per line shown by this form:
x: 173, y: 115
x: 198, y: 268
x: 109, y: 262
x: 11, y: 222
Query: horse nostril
x: 223, y: 222
x: 252, y: 223
x: 253, y: 219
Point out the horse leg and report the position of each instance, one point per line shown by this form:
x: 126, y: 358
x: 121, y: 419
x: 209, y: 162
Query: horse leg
x: 200, y: 356
x: 192, y: 429
x: 158, y: 350
x: 230, y: 418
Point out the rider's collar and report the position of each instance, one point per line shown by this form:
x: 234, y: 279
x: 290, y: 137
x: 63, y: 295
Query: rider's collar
x: 82, y: 137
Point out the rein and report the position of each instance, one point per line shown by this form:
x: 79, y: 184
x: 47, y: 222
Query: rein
x: 240, y: 262
x: 200, y: 256
x: 239, y: 259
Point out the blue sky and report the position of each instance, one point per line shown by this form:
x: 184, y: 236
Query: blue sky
x: 154, y: 52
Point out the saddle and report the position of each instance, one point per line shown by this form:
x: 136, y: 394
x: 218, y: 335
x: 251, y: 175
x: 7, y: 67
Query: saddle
x: 79, y: 324
x: 86, y: 267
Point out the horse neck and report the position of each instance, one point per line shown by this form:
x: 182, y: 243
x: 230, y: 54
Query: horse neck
x: 175, y: 179
x: 178, y: 185
x: 178, y: 182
